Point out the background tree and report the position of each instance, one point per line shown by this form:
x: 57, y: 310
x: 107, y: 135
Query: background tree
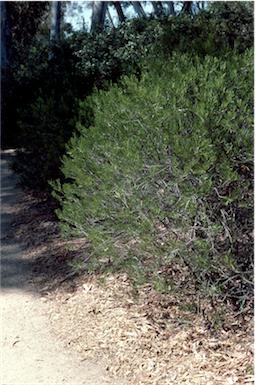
x: 23, y: 28
x: 139, y: 9
x: 158, y: 9
x: 170, y: 5
x: 6, y: 33
x: 55, y: 22
x: 187, y: 7
x: 117, y: 5
x: 98, y: 15
x: 19, y: 34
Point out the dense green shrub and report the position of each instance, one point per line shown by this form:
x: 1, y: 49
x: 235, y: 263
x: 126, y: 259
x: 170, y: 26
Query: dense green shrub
x: 44, y: 131
x: 164, y: 173
x: 233, y: 23
x: 22, y: 80
x: 31, y: 79
x: 223, y: 25
x: 44, y: 110
x: 109, y: 54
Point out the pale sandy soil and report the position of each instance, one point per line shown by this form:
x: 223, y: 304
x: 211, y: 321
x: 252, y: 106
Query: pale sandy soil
x: 30, y: 353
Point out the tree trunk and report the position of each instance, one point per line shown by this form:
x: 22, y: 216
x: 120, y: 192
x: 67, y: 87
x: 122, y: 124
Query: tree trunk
x: 6, y: 34
x: 187, y: 7
x: 171, y: 10
x: 109, y: 17
x: 119, y: 10
x: 98, y: 15
x: 158, y: 9
x: 55, y: 22
x: 4, y: 59
x: 139, y: 9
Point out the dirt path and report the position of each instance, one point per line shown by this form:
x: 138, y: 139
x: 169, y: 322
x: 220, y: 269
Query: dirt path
x: 30, y: 353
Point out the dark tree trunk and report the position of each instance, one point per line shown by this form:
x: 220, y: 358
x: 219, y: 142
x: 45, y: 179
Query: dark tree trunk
x: 119, y: 10
x: 109, y: 17
x: 171, y: 10
x: 98, y: 15
x: 3, y: 36
x: 6, y: 34
x: 55, y: 23
x: 158, y: 9
x: 187, y: 7
x: 139, y: 9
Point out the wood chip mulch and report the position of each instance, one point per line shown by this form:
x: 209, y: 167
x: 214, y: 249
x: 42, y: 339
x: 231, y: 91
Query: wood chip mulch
x: 148, y: 337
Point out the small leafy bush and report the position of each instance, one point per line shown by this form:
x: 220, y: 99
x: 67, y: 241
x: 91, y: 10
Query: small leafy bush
x: 165, y: 172
x: 110, y: 54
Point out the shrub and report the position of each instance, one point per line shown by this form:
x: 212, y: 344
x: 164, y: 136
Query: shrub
x: 44, y: 130
x: 108, y: 55
x: 164, y: 173
x: 234, y: 23
x: 222, y: 26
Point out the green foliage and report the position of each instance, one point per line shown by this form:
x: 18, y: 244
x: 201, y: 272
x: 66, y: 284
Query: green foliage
x: 40, y: 107
x: 224, y: 25
x: 234, y: 23
x: 84, y: 61
x: 45, y: 128
x: 159, y: 168
x: 22, y: 34
x: 41, y: 98
x: 112, y: 53
x: 165, y: 170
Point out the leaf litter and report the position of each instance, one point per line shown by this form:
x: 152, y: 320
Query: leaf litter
x: 149, y: 338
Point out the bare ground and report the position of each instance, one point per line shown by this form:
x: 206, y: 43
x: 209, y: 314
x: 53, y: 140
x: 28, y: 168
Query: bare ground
x: 30, y: 352
x: 142, y: 336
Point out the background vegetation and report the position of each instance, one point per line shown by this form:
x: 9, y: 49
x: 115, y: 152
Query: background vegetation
x: 144, y: 132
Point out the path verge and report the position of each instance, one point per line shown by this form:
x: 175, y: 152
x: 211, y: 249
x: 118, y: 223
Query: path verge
x: 30, y: 352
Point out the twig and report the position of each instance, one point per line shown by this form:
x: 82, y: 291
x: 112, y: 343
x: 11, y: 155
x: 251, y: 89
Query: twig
x: 242, y: 311
x: 73, y: 273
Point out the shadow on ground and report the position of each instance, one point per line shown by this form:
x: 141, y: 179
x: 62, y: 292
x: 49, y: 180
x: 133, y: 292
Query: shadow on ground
x: 32, y: 251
